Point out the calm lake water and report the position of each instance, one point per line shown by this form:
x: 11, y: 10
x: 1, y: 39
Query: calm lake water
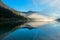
x: 50, y: 31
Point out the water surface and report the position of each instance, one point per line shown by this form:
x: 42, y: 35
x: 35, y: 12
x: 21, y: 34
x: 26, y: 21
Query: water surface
x: 48, y: 31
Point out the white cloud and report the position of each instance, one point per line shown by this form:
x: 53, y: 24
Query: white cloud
x: 51, y: 3
x: 51, y: 7
x: 54, y: 3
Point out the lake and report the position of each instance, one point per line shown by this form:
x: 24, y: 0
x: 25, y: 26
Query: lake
x: 48, y: 31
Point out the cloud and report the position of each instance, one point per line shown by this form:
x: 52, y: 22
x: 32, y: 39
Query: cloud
x: 51, y: 3
x: 54, y: 3
x: 52, y: 9
x: 49, y: 7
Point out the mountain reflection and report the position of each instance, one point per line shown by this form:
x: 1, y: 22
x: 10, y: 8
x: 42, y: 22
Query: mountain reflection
x: 48, y: 31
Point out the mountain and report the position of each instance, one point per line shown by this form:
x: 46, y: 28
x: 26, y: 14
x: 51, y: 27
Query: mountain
x: 29, y: 12
x: 8, y: 12
x: 9, y: 19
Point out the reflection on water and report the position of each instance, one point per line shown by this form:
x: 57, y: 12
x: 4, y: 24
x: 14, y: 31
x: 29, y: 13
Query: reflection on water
x: 35, y: 24
x: 49, y: 31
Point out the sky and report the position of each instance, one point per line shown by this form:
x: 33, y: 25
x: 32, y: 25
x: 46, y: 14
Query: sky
x: 24, y: 5
x: 50, y: 7
x: 35, y: 5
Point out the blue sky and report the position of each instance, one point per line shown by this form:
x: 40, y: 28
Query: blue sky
x: 49, y: 7
x: 24, y: 5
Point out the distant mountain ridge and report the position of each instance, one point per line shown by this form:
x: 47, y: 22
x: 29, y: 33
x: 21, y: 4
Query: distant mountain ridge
x: 29, y: 12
